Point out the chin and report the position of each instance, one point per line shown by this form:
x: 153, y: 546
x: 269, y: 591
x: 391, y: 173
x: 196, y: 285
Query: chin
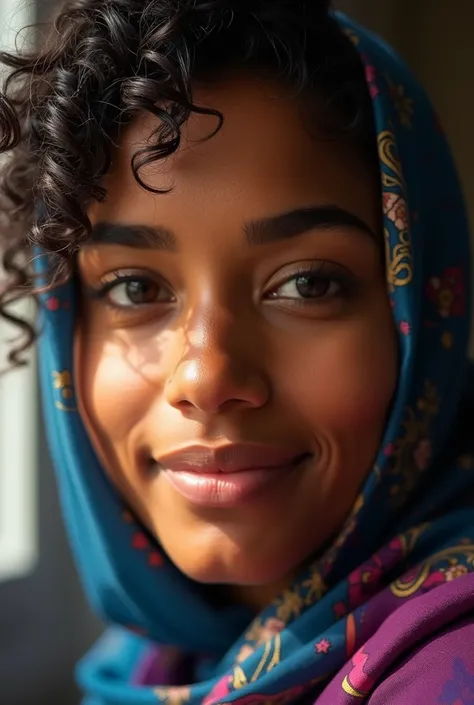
x: 246, y: 572
x: 211, y: 557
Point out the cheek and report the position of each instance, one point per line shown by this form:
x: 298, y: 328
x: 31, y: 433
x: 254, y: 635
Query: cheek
x: 116, y: 391
x: 344, y: 382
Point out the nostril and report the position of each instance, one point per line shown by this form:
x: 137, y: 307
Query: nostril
x: 186, y: 404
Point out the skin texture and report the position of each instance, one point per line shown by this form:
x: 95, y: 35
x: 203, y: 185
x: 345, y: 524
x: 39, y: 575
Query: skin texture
x: 223, y: 361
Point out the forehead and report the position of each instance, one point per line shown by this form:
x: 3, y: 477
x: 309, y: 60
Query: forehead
x: 264, y: 154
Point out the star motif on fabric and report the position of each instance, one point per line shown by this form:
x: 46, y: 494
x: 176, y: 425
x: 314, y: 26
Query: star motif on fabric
x: 323, y: 646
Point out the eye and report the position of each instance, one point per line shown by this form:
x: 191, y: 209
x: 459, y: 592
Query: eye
x: 310, y: 286
x: 126, y: 291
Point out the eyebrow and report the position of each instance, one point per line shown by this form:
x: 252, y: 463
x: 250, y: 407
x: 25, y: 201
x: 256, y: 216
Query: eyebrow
x: 299, y: 221
x: 137, y: 236
x: 263, y: 231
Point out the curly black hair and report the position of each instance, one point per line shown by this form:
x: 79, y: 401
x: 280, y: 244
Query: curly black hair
x: 105, y: 61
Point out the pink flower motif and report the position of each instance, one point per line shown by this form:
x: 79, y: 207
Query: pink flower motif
x: 139, y: 541
x: 423, y: 453
x: 438, y: 577
x: 220, y: 690
x: 389, y: 449
x: 323, y: 646
x: 395, y: 208
x: 52, y: 303
x: 456, y: 571
x: 358, y: 678
x: 155, y: 559
x: 405, y: 328
x: 363, y: 582
x: 340, y: 610
x: 245, y: 651
x: 371, y: 78
x: 270, y: 628
x: 448, y: 292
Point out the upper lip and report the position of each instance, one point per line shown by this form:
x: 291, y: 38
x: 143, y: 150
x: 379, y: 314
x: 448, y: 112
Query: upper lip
x: 227, y: 458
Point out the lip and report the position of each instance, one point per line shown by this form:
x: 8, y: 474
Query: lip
x: 229, y: 458
x: 228, y: 475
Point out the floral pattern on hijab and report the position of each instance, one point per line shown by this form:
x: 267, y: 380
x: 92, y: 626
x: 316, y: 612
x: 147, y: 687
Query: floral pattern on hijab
x: 395, y: 546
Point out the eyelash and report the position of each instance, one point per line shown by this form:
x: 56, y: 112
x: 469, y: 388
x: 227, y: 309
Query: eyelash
x: 322, y: 272
x: 118, y: 279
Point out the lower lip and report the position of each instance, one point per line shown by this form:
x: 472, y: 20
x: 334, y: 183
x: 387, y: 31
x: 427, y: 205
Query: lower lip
x: 227, y: 489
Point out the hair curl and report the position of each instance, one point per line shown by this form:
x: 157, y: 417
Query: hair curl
x: 104, y: 62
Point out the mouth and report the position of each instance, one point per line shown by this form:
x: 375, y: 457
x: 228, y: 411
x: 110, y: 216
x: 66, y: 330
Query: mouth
x: 228, y: 476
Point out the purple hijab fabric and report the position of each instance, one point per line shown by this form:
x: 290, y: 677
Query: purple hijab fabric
x: 421, y: 654
x: 385, y: 615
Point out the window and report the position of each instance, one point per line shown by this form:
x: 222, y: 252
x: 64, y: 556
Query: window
x: 18, y: 497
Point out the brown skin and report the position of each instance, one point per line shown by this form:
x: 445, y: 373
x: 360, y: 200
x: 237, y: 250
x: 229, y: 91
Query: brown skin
x: 225, y: 362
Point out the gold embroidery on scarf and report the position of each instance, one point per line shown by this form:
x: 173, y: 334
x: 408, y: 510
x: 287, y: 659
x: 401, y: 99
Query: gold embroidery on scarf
x: 388, y: 155
x: 403, y: 589
x: 350, y: 34
x: 271, y: 657
x: 411, y: 454
x: 62, y: 380
x: 399, y: 259
x: 173, y: 696
x: 263, y: 660
x: 253, y: 634
x: 410, y: 538
x: 239, y: 679
x: 290, y: 605
x: 404, y: 105
x: 347, y: 688
x: 315, y: 586
x: 276, y: 658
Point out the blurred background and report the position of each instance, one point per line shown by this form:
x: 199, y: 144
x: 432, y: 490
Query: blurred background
x: 45, y: 624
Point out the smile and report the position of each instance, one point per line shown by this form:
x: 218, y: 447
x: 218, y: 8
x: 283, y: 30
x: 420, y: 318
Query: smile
x: 230, y: 475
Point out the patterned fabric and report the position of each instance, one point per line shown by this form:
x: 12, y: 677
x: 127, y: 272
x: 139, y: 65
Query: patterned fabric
x: 399, y: 546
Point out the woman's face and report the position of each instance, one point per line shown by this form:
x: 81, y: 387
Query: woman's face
x: 244, y: 312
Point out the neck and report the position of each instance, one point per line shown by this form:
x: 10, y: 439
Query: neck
x: 257, y: 597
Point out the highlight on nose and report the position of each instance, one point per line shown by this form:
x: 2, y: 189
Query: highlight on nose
x: 216, y: 385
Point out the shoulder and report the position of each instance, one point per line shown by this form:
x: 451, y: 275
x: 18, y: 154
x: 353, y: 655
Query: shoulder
x: 440, y: 671
x: 421, y: 653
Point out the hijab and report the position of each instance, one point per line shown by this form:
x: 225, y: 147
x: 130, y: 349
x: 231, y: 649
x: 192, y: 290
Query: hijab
x: 410, y: 531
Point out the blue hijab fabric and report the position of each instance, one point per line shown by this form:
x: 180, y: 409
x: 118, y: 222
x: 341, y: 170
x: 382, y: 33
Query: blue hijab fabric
x: 146, y: 600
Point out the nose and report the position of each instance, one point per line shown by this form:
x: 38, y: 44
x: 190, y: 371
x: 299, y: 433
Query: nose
x: 216, y: 375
